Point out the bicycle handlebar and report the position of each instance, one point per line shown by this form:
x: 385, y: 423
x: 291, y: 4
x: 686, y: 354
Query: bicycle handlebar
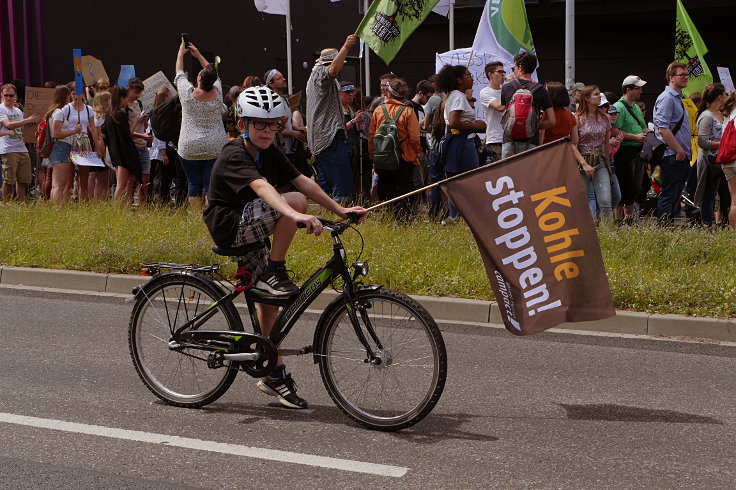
x: 335, y: 226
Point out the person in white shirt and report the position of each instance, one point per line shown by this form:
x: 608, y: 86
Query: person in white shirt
x: 67, y: 120
x: 490, y: 98
x: 15, y: 160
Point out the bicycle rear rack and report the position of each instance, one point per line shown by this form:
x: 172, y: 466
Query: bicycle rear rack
x: 154, y: 268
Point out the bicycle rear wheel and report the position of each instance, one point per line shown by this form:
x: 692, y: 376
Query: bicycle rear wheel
x: 408, y: 382
x: 179, y: 376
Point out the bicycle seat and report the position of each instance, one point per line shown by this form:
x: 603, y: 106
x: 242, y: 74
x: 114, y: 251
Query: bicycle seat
x: 237, y: 251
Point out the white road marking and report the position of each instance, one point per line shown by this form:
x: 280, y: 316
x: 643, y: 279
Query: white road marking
x: 211, y: 446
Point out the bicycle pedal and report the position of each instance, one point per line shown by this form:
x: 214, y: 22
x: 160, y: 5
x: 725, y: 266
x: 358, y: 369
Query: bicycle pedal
x: 215, y: 360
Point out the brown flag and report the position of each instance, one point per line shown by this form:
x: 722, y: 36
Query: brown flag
x: 530, y: 217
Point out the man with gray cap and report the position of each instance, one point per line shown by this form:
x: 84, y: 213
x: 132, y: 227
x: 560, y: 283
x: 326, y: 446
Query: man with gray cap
x: 575, y: 92
x: 326, y: 132
x: 629, y: 167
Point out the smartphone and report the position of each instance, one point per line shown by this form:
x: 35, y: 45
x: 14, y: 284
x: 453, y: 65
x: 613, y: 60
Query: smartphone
x: 185, y: 38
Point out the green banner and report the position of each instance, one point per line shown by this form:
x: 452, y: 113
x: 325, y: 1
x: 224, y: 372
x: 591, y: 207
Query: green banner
x: 389, y: 23
x: 690, y: 49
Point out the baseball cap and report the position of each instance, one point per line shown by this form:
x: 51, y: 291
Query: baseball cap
x: 613, y: 110
x: 347, y: 87
x: 633, y: 80
x: 577, y: 86
x: 604, y: 100
x: 327, y: 56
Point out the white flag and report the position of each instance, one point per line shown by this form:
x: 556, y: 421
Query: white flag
x: 442, y: 7
x: 504, y: 30
x: 276, y: 7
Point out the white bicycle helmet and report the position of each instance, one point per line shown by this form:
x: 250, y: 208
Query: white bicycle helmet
x: 261, y: 103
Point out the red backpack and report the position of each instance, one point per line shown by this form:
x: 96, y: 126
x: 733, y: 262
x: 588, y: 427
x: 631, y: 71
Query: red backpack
x: 727, y: 148
x: 44, y: 141
x: 521, y: 119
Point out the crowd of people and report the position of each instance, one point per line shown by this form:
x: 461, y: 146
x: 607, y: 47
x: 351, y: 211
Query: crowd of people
x: 331, y: 137
x: 248, y: 159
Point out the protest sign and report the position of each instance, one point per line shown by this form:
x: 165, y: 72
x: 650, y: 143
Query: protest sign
x: 93, y: 70
x: 38, y: 100
x: 152, y: 84
x: 126, y: 73
x: 78, y: 79
x: 724, y: 74
x: 530, y: 218
x: 295, y: 100
x: 87, y: 159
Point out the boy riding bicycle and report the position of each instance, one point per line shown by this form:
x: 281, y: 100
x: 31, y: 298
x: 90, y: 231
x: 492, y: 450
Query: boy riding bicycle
x: 244, y: 207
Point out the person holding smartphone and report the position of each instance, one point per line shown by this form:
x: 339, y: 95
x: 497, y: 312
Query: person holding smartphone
x: 202, y: 134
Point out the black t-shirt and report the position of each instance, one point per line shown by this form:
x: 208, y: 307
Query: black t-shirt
x: 542, y: 101
x: 230, y: 188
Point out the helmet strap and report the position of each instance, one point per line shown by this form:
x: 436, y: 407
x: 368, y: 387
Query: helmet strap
x: 246, y: 138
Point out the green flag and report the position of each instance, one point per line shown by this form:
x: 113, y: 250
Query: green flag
x: 690, y: 49
x: 389, y: 23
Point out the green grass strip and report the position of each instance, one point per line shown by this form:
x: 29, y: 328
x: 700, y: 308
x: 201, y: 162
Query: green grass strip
x: 684, y: 270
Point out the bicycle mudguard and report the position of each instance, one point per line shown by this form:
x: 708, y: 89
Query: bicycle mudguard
x: 329, y: 311
x: 145, y: 287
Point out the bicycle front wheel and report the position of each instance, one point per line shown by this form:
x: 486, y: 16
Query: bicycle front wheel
x: 179, y: 376
x: 406, y: 384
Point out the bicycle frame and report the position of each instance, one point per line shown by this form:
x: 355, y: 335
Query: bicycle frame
x: 293, y: 307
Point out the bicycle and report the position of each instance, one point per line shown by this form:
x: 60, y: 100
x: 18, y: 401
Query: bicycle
x: 381, y: 356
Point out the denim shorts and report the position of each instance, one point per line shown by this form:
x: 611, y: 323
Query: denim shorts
x: 145, y: 159
x: 198, y: 174
x: 60, y: 153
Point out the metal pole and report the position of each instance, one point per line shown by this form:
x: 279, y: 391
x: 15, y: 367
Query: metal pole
x: 569, y: 43
x: 367, y: 58
x: 452, y: 25
x: 288, y: 46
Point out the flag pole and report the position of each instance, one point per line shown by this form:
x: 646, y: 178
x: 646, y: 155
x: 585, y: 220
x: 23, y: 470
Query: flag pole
x: 367, y: 61
x: 288, y: 45
x: 452, y: 25
x: 569, y: 43
x: 465, y: 174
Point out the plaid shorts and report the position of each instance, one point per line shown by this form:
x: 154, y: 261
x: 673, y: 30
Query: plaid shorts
x: 256, y: 225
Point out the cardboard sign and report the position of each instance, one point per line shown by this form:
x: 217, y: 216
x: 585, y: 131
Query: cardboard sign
x: 78, y: 79
x: 152, y: 84
x: 86, y: 159
x: 38, y: 100
x: 295, y: 100
x: 93, y: 70
x: 725, y: 75
x: 126, y: 73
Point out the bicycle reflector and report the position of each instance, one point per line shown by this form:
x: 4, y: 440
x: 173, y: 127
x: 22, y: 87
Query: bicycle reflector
x: 361, y: 268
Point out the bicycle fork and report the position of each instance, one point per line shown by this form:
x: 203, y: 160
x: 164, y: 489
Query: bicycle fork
x: 352, y: 304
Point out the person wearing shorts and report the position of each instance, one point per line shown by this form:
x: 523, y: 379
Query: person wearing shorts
x: 16, y: 164
x: 245, y: 208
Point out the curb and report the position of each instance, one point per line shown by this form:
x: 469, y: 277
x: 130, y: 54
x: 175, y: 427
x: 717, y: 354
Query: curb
x: 455, y: 310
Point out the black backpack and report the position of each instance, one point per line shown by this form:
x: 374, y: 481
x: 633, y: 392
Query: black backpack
x: 166, y: 120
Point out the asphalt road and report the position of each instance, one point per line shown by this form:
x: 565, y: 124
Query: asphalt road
x: 550, y: 411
